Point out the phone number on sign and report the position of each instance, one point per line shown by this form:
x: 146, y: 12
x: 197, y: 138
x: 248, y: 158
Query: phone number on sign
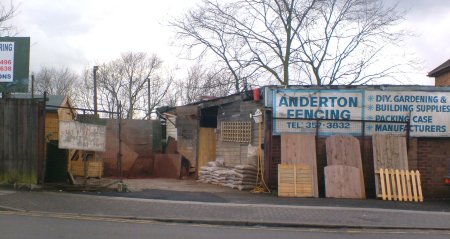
x: 329, y: 125
x: 5, y: 68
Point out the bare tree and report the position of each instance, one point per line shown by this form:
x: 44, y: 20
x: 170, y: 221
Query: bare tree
x: 55, y: 81
x: 7, y: 12
x: 158, y: 88
x: 325, y: 41
x: 352, y: 36
x: 134, y: 80
x: 202, y: 82
x: 83, y: 96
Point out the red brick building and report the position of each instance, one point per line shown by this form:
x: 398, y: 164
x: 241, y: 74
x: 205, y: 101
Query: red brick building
x: 419, y: 113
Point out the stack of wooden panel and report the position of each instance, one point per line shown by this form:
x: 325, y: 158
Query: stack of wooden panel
x: 297, y: 174
x: 344, y: 176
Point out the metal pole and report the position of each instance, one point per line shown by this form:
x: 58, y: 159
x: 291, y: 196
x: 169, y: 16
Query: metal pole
x: 149, y: 97
x: 120, y: 144
x: 32, y: 86
x: 95, y: 90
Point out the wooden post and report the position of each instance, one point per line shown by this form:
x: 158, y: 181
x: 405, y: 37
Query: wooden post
x: 405, y: 195
x: 399, y: 187
x: 394, y: 184
x: 408, y: 185
x: 383, y: 188
x: 419, y: 186
x: 413, y: 179
x: 388, y: 184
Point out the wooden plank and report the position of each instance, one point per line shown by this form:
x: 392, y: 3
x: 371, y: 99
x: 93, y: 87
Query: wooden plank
x: 300, y: 149
x: 408, y: 186
x: 383, y: 187
x: 404, y: 190
x: 295, y: 180
x: 389, y: 152
x: 394, y: 184
x: 342, y: 181
x: 399, y: 186
x: 343, y: 150
x: 419, y: 186
x: 388, y: 185
x: 413, y: 179
x: 206, y: 146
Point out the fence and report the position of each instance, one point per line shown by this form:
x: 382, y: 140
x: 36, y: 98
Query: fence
x: 295, y: 180
x: 400, y: 185
x: 22, y: 141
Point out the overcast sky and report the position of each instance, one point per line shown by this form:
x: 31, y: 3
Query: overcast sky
x: 81, y: 33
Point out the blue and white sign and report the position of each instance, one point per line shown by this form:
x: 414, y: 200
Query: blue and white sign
x: 290, y: 105
x: 427, y: 112
x: 6, y: 61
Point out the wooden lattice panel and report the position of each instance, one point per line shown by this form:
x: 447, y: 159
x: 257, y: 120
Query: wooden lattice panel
x: 236, y: 131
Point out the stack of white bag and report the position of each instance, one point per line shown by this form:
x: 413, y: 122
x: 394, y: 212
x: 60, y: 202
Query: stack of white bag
x: 241, y: 177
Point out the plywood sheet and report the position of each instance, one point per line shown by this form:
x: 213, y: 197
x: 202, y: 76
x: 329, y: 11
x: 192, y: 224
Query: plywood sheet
x: 206, y: 146
x: 295, y: 180
x: 300, y: 149
x: 343, y: 150
x: 343, y: 182
x: 167, y: 166
x: 389, y: 152
x: 110, y: 155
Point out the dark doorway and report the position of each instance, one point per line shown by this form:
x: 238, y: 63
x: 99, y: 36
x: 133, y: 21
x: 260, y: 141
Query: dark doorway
x: 56, y: 164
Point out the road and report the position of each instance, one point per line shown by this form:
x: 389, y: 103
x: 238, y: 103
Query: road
x: 39, y: 225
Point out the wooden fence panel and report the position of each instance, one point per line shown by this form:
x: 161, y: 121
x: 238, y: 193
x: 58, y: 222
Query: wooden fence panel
x: 300, y: 149
x: 400, y: 185
x: 295, y: 180
x: 22, y: 141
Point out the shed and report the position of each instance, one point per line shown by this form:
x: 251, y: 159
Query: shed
x: 217, y: 129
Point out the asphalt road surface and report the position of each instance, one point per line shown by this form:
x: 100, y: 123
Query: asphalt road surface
x: 39, y: 225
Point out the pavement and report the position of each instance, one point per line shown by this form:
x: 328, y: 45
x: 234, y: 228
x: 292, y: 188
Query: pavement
x: 187, y: 201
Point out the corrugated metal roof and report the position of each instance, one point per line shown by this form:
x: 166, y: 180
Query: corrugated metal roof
x: 56, y: 100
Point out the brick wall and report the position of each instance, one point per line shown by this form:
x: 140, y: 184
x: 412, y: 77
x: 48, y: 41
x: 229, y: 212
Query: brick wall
x: 428, y: 155
x: 443, y: 80
x: 432, y: 162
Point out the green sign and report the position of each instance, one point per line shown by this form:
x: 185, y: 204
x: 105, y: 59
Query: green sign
x: 14, y: 64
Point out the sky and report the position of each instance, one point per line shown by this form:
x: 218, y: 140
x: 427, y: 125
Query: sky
x: 82, y: 33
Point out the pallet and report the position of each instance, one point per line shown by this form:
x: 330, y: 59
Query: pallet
x: 400, y: 185
x: 295, y: 180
